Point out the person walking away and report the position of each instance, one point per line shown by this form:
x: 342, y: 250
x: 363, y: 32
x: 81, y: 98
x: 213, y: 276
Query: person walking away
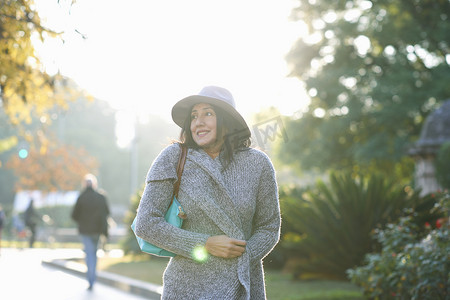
x: 91, y: 212
x: 31, y: 220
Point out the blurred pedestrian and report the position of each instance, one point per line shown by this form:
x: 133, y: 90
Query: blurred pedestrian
x: 2, y: 224
x: 91, y: 212
x: 229, y: 194
x: 18, y: 229
x: 31, y: 221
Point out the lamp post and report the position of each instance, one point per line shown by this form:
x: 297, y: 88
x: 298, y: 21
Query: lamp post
x: 134, y: 159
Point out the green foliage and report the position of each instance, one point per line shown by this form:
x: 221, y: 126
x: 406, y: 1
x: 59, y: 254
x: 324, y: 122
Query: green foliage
x: 425, y: 212
x: 76, y: 141
x: 129, y: 243
x: 329, y: 226
x: 96, y: 135
x: 277, y: 258
x: 414, y: 262
x: 7, y: 181
x: 374, y: 72
x: 57, y: 216
x: 25, y: 88
x: 442, y: 164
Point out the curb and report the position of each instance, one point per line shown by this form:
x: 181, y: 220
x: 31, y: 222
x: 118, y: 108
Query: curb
x: 134, y: 286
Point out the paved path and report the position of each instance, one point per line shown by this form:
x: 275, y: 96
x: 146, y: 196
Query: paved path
x: 24, y: 277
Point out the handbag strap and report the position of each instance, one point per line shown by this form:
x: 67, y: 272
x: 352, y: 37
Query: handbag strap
x: 180, y: 167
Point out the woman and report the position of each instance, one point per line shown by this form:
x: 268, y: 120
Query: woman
x: 229, y: 194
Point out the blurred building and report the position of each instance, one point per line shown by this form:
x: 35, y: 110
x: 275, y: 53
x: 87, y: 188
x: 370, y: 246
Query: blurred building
x: 435, y: 132
x: 41, y: 199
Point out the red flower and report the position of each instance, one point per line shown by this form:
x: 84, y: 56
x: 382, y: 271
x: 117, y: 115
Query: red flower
x: 427, y: 225
x: 439, y: 223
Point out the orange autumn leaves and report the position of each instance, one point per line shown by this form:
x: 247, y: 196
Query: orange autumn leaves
x: 60, y: 168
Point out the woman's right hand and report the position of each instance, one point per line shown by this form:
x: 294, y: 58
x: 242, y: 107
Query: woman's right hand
x: 224, y: 246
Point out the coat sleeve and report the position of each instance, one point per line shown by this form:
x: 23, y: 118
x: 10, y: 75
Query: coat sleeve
x: 267, y: 219
x: 150, y: 222
x: 105, y: 215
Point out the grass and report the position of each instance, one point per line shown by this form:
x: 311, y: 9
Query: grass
x: 137, y: 267
x: 38, y: 244
x: 279, y: 286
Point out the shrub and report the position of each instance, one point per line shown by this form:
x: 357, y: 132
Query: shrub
x: 276, y: 259
x: 129, y: 244
x: 57, y: 216
x: 414, y: 262
x: 331, y: 224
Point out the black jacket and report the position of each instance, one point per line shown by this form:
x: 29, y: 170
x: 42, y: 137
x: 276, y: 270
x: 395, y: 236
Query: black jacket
x: 91, y: 213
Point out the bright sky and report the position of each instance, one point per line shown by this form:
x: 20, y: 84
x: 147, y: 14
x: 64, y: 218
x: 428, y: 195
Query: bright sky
x: 144, y: 55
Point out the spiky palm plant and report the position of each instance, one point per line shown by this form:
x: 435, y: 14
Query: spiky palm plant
x: 333, y: 222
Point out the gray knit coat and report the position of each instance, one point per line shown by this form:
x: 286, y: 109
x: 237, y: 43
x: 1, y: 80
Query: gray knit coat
x: 240, y: 201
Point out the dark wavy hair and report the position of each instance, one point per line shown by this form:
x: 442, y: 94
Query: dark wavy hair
x: 232, y: 141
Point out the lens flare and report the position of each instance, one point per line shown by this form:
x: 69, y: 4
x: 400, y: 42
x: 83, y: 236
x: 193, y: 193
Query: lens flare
x: 23, y: 153
x: 200, y: 254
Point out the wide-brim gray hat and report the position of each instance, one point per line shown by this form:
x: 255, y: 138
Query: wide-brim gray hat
x: 215, y: 96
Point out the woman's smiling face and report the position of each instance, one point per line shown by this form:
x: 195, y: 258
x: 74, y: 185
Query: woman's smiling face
x: 204, y: 128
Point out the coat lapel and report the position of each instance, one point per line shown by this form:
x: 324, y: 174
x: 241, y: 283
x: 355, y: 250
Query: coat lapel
x: 205, y: 185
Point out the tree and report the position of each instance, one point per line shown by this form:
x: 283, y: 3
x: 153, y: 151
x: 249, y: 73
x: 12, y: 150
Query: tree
x: 27, y: 91
x: 374, y: 70
x: 58, y: 169
x: 90, y: 125
x: 23, y: 84
x: 32, y: 156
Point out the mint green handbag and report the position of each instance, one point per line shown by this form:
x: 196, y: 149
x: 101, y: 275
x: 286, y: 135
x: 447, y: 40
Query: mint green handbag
x: 174, y: 215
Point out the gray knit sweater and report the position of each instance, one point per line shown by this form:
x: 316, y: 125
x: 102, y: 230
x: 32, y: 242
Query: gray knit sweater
x: 240, y: 201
